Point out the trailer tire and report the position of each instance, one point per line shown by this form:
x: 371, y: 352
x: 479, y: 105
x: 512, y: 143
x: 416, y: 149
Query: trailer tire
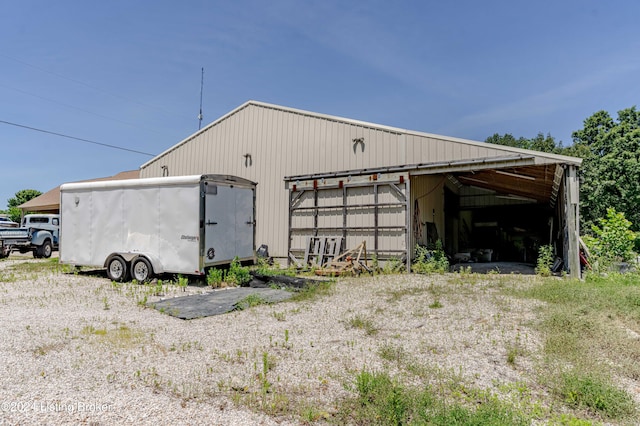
x: 141, y: 270
x: 44, y: 250
x: 117, y: 269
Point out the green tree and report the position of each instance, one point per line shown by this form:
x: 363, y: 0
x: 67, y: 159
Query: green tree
x: 610, y: 172
x: 507, y: 139
x: 613, y: 237
x: 539, y: 143
x: 545, y: 144
x: 19, y: 198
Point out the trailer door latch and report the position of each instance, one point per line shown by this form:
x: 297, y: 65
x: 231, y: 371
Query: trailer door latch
x: 211, y: 223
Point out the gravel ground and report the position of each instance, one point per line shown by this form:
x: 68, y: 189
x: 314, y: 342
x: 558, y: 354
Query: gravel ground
x: 78, y: 349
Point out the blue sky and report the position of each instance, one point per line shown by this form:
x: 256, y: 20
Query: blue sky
x: 127, y: 73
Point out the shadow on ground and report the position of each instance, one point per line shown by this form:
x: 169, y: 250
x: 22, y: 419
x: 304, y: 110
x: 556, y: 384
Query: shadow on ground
x: 497, y: 267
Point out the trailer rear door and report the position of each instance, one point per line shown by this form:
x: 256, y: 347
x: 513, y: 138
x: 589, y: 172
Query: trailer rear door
x: 229, y: 224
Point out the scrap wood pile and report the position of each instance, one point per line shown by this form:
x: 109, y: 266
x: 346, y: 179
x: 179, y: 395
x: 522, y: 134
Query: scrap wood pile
x: 351, y: 262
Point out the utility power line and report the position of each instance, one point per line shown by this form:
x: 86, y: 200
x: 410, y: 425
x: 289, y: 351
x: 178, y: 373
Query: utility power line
x: 79, y: 109
x: 77, y: 139
x: 97, y: 89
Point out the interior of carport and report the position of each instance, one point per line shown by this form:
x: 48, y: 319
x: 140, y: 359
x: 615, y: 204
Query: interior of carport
x: 493, y: 213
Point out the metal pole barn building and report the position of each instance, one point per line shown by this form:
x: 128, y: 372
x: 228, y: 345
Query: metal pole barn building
x: 344, y: 181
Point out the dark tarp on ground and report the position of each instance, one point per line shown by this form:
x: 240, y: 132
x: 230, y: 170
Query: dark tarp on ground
x: 216, y: 302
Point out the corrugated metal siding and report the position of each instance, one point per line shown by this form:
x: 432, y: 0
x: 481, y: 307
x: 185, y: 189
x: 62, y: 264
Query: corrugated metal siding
x: 282, y: 143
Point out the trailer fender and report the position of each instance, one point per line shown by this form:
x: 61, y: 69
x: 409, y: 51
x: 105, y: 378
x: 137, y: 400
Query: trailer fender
x: 126, y: 256
x: 142, y: 268
x: 155, y: 262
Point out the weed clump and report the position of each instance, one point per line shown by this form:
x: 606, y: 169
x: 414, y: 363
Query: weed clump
x: 236, y: 275
x: 381, y: 400
x: 545, y: 261
x: 591, y: 392
x: 429, y: 261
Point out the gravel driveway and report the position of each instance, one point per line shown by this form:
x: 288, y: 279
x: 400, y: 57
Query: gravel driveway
x: 78, y: 349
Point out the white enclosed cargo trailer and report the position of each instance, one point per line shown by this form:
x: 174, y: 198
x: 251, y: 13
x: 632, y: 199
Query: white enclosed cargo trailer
x: 143, y: 227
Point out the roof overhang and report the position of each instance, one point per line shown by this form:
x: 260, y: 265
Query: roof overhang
x: 429, y: 168
x: 516, y: 176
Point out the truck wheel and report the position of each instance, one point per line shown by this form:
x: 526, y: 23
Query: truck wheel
x: 117, y: 269
x: 141, y: 270
x: 44, y: 250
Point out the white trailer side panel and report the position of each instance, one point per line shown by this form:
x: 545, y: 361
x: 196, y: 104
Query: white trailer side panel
x: 179, y: 244
x: 162, y: 221
x: 106, y: 232
x: 75, y: 237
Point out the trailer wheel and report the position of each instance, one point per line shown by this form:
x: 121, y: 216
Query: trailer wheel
x: 117, y: 269
x: 44, y: 250
x: 141, y: 270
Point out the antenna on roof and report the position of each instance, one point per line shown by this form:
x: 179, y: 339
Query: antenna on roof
x: 201, y: 86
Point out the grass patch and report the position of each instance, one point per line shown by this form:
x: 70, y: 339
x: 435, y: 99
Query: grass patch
x: 392, y: 353
x: 314, y: 291
x: 591, y: 325
x: 362, y: 323
x: 595, y: 394
x: 250, y: 301
x: 381, y: 400
x: 436, y: 304
x: 397, y: 295
x: 35, y: 267
x: 120, y: 337
x: 514, y: 350
x: 264, y: 268
x: 44, y: 349
x: 91, y: 330
x: 8, y: 277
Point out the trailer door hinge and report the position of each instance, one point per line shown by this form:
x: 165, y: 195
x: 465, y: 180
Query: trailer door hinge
x: 211, y: 223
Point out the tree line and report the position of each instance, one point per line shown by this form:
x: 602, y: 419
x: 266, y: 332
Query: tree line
x: 21, y: 197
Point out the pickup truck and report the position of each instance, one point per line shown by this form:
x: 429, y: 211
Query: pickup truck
x: 5, y: 222
x: 38, y: 233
